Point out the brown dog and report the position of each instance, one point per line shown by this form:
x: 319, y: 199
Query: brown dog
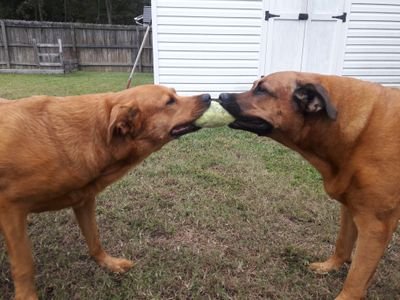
x: 348, y: 130
x: 61, y: 152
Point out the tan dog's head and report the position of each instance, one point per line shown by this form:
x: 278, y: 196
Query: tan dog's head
x: 284, y: 101
x: 154, y: 114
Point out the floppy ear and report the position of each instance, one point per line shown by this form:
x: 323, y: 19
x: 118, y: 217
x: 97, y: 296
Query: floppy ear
x: 313, y: 98
x: 123, y: 122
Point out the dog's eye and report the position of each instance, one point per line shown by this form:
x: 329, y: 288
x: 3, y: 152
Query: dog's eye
x: 171, y: 101
x: 260, y: 90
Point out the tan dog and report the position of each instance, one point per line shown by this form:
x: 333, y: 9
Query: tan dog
x: 348, y: 130
x: 61, y: 152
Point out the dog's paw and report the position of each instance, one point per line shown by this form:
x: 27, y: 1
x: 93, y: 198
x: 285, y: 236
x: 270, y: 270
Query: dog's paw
x: 31, y: 296
x: 343, y: 296
x: 326, y: 266
x: 116, y: 265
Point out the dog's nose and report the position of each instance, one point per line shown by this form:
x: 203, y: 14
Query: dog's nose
x: 205, y: 98
x: 224, y: 97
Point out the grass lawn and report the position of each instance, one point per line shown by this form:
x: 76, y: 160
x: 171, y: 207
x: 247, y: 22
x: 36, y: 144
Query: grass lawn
x: 218, y: 214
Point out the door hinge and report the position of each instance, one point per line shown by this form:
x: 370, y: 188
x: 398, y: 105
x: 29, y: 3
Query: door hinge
x: 303, y: 16
x: 341, y: 17
x: 268, y: 15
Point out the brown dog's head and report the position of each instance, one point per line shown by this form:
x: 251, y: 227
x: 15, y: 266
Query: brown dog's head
x: 154, y: 114
x: 284, y: 100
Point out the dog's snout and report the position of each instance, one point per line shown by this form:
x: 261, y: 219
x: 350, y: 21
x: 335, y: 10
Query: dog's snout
x: 224, y: 97
x: 229, y: 102
x: 205, y: 98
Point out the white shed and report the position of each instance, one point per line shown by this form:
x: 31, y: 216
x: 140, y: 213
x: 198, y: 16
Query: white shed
x: 224, y: 45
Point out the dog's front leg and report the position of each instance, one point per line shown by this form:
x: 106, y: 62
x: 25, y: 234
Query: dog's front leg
x: 14, y: 227
x: 85, y: 215
x: 373, y: 236
x: 344, y: 244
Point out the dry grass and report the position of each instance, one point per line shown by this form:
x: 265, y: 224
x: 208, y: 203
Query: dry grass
x: 218, y: 214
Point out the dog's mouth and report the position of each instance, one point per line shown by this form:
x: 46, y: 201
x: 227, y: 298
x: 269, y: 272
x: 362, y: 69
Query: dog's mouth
x: 183, y: 129
x: 252, y: 124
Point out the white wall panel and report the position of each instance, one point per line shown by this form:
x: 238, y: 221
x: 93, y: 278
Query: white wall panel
x: 215, y: 45
x: 207, y: 46
x: 373, y: 41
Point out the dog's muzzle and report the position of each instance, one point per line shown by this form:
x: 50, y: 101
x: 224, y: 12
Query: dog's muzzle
x: 243, y: 122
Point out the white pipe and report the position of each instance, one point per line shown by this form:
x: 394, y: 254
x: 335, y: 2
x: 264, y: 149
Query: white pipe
x: 138, y: 56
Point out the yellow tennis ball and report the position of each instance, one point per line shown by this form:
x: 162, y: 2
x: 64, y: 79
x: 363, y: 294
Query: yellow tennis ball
x: 214, y: 116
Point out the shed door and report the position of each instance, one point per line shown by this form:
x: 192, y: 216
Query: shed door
x: 303, y: 36
x: 285, y: 35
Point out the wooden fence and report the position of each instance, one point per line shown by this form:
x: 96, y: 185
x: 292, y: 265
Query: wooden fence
x: 94, y: 47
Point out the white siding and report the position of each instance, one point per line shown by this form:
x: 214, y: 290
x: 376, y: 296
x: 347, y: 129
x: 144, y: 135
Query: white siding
x: 207, y: 46
x: 373, y: 41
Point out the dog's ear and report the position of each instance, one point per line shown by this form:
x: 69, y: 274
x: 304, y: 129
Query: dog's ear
x: 313, y: 98
x: 123, y: 122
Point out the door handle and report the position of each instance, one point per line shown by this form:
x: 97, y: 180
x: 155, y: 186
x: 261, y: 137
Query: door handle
x: 303, y: 16
x: 341, y: 17
x: 268, y: 15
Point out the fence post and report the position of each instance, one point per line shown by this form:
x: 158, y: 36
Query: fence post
x: 74, y: 44
x: 5, y: 42
x: 36, y: 52
x: 60, y: 51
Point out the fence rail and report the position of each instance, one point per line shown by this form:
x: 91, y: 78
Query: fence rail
x: 94, y: 46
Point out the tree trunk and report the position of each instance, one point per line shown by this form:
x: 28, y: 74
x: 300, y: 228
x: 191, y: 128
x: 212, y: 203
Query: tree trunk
x: 109, y: 11
x: 98, y: 11
x: 65, y: 11
x: 39, y: 2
